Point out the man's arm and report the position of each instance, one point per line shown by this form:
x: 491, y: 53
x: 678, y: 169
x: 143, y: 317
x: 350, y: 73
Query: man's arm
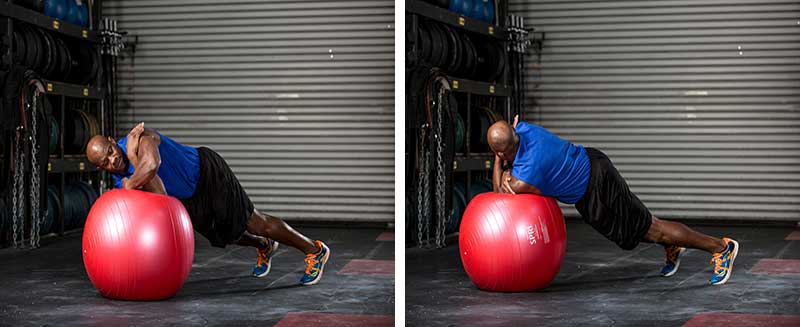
x: 155, y: 186
x: 148, y: 159
x: 497, y: 173
x: 497, y: 170
x: 513, y: 185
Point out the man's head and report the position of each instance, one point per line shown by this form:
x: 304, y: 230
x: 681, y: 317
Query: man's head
x: 503, y: 140
x: 103, y: 152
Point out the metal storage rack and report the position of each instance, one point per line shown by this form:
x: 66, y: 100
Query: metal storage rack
x: 61, y: 164
x: 466, y: 162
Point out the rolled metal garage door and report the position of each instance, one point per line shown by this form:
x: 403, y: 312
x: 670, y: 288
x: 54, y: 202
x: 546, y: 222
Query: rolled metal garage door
x: 297, y: 96
x: 696, y: 102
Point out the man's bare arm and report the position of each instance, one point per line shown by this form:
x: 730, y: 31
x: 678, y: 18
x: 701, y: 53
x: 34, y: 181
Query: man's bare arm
x: 149, y: 160
x: 513, y: 185
x: 497, y: 169
x: 521, y: 187
x: 155, y: 186
x: 497, y: 173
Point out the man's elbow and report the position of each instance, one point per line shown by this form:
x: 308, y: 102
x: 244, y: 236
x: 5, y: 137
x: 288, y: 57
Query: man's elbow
x: 149, y: 167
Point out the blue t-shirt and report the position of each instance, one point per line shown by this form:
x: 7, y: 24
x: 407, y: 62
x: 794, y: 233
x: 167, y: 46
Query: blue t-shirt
x: 179, y: 170
x: 556, y: 167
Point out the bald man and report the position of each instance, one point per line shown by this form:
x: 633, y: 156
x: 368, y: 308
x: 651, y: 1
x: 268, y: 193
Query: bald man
x: 542, y: 163
x: 219, y: 208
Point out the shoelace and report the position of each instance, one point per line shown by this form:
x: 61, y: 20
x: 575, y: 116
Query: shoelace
x: 262, y: 257
x: 717, y: 261
x: 310, y: 262
x: 672, y: 254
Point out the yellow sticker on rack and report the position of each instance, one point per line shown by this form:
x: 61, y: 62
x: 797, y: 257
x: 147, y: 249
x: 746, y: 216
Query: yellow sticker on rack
x: 455, y: 84
x: 81, y: 166
x: 488, y: 164
x: 461, y: 20
x: 85, y: 92
x: 49, y: 167
x: 85, y: 34
x: 49, y: 87
x: 491, y: 89
x: 455, y: 165
x: 56, y: 24
x: 491, y: 30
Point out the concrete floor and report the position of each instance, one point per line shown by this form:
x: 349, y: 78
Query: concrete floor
x: 602, y: 285
x: 49, y: 286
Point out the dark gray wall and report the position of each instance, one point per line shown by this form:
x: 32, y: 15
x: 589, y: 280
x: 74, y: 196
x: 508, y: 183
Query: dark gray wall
x: 297, y: 96
x: 696, y: 102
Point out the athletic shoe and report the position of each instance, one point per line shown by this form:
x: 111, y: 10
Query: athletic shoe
x: 674, y: 254
x: 723, y: 262
x: 264, y: 262
x: 315, y: 262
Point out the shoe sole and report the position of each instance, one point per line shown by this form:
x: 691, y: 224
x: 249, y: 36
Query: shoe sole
x: 322, y: 268
x: 730, y: 266
x: 677, y: 264
x: 269, y: 266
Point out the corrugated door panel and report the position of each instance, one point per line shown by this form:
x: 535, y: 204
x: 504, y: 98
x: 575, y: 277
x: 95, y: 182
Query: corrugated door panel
x: 297, y: 96
x: 696, y: 102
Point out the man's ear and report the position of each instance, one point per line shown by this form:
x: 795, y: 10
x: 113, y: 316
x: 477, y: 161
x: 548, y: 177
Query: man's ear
x: 111, y: 139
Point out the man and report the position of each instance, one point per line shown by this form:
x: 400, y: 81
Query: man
x: 219, y: 208
x: 544, y: 164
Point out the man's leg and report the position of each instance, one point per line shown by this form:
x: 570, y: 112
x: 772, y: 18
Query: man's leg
x: 317, y: 253
x: 264, y: 225
x: 248, y: 239
x: 265, y: 248
x: 674, y: 233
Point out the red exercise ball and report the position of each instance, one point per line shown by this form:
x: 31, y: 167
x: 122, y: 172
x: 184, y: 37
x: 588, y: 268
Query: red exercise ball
x: 138, y: 245
x: 512, y: 243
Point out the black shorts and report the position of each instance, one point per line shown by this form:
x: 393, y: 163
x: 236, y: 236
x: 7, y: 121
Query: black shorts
x: 219, y: 207
x: 610, y: 207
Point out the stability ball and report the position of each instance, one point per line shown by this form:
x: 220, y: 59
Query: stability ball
x: 512, y: 243
x: 137, y: 245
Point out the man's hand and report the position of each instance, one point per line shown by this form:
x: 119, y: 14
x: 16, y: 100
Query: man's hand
x: 143, y: 154
x: 155, y: 185
x: 125, y: 184
x: 133, y: 143
x: 505, y: 186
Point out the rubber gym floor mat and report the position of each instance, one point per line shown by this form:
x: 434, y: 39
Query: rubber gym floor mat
x: 49, y: 286
x: 602, y: 285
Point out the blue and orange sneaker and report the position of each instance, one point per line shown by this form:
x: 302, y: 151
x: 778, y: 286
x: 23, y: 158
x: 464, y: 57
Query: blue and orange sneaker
x: 264, y: 262
x: 674, y: 254
x: 315, y: 263
x: 723, y: 262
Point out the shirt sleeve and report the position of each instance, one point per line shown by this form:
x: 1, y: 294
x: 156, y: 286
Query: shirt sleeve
x: 117, y: 181
x: 523, y: 170
x: 123, y: 145
x: 524, y: 167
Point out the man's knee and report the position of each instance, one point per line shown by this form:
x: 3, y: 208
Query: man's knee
x: 256, y: 224
x: 261, y: 224
x: 655, y: 233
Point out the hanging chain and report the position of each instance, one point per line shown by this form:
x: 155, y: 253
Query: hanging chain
x: 36, y: 217
x: 18, y: 207
x: 421, y: 186
x: 424, y: 195
x: 440, y: 184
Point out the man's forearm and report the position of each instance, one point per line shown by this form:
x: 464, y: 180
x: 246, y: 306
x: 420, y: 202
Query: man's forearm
x: 155, y: 186
x: 142, y: 176
x: 497, y: 172
x: 149, y: 160
x: 521, y: 187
